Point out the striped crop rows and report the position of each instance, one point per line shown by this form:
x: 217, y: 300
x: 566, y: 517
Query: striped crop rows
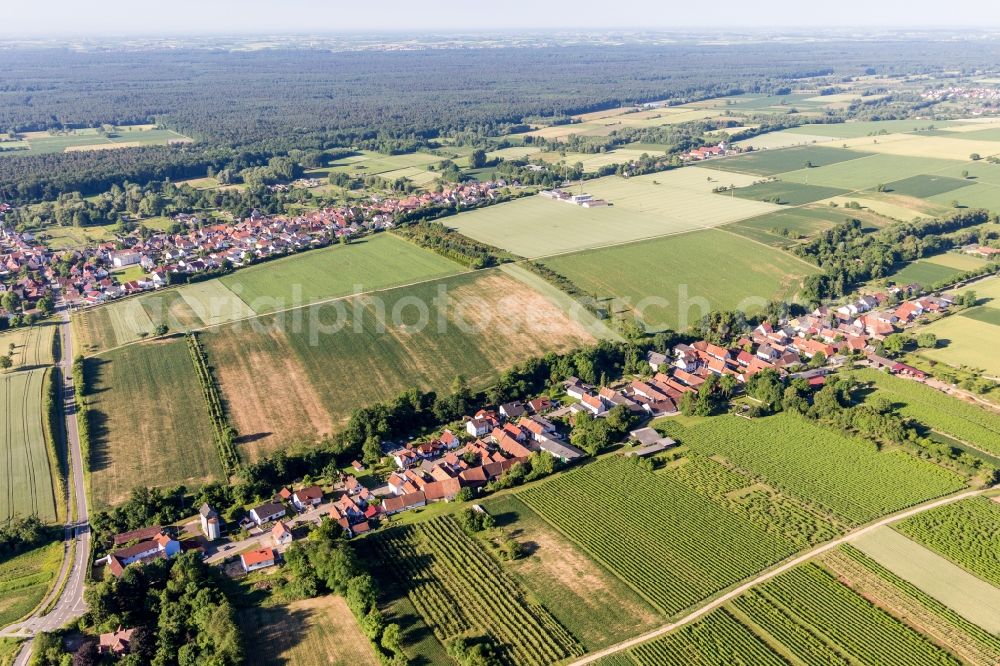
x: 845, y: 476
x: 967, y: 533
x: 777, y: 513
x: 905, y: 599
x: 846, y: 622
x: 671, y: 544
x: 718, y: 639
x: 458, y: 588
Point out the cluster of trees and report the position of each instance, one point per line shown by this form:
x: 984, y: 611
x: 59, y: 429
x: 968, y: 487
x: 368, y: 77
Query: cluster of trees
x: 841, y: 404
x: 595, y: 435
x: 178, y: 609
x: 22, y: 534
x: 449, y: 243
x: 326, y: 564
x: 711, y: 397
x: 849, y: 256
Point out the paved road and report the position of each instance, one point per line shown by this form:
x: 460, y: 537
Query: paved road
x: 70, y: 604
x: 729, y: 596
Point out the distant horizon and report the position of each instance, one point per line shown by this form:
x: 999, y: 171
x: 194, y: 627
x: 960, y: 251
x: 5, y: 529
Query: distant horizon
x: 118, y: 18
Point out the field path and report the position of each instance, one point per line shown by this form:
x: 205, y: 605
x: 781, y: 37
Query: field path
x: 67, y: 593
x: 768, y: 575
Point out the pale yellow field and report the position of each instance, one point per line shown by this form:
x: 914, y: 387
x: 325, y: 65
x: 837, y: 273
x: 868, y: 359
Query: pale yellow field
x: 594, y: 161
x: 962, y: 262
x: 971, y: 597
x: 774, y: 140
x: 912, y: 145
x: 906, y: 209
x: 512, y: 153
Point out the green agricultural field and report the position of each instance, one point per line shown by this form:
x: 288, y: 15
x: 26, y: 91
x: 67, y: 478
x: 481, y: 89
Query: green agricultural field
x: 717, y: 640
x: 983, y: 313
x: 785, y: 228
x: 26, y: 473
x: 370, y: 164
x: 927, y: 186
x: 39, y: 143
x: 868, y: 172
x: 924, y: 273
x: 977, y: 195
x: 847, y: 477
x: 29, y: 346
x: 773, y: 162
x: 967, y: 533
x: 820, y: 620
x: 673, y: 282
x: 477, y: 325
x: 148, y: 420
x: 436, y: 564
x: 593, y: 604
x: 971, y: 597
x: 797, y: 521
x: 26, y: 579
x: 682, y: 546
x: 938, y: 411
x: 795, y: 194
x: 373, y: 263
x: 644, y: 207
x: 962, y: 341
x: 417, y: 176
x: 853, y: 130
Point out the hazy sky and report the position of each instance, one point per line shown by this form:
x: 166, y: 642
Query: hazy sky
x: 35, y: 17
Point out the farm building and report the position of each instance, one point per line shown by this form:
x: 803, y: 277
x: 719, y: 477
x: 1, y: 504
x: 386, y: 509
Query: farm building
x: 650, y: 441
x: 267, y: 512
x: 257, y: 559
x: 209, y: 522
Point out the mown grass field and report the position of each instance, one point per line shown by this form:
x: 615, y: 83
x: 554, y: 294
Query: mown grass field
x: 370, y: 163
x: 593, y: 604
x: 311, y: 632
x: 32, y: 345
x: 643, y: 207
x: 149, y: 422
x: 682, y: 546
x: 372, y: 263
x: 964, y: 421
x: 971, y: 597
x: 924, y: 273
x: 966, y: 338
x: 477, y: 325
x: 785, y: 228
x: 927, y: 186
x: 866, y: 173
x: 966, y: 532
x: 26, y: 578
x: 674, y: 281
x: 795, y: 194
x: 26, y: 473
x: 847, y: 477
x: 773, y: 162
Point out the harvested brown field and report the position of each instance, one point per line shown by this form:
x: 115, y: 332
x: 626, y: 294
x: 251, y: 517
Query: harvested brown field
x: 311, y: 632
x: 475, y: 325
x: 269, y: 409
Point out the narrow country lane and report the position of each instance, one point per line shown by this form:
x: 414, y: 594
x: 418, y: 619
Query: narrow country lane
x: 70, y: 604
